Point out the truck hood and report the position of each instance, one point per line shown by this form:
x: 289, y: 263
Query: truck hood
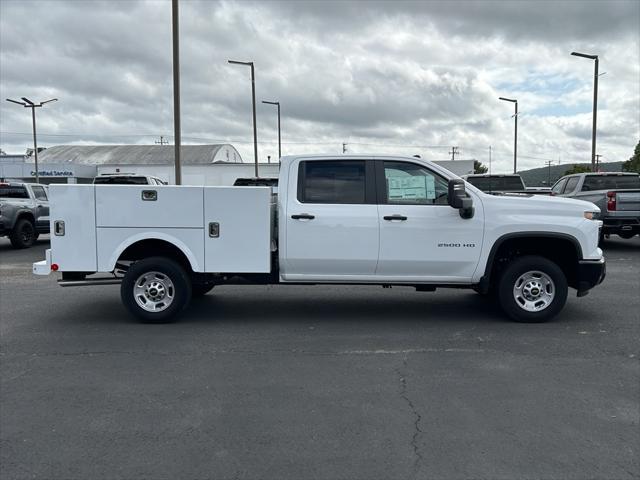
x: 550, y: 204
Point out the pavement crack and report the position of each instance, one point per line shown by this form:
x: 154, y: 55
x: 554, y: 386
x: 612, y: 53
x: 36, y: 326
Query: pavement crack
x: 417, y: 431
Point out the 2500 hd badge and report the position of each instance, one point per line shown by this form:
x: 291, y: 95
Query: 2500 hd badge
x: 457, y: 245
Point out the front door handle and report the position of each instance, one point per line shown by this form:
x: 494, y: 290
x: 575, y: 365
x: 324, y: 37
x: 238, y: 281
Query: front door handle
x: 303, y: 216
x: 395, y: 217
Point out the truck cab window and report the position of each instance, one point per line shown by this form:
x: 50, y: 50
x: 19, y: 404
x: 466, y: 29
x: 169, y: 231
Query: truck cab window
x: 571, y: 184
x: 558, y: 188
x: 332, y: 182
x: 412, y: 184
x: 39, y: 193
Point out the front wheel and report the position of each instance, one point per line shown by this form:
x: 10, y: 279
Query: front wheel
x: 155, y: 289
x: 532, y: 289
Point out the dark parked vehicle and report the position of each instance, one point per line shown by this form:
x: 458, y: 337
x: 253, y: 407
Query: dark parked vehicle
x: 127, y: 179
x: 498, y: 184
x: 24, y: 212
x: 616, y: 194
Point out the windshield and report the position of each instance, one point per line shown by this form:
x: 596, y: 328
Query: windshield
x: 13, y: 191
x: 124, y: 180
x: 610, y: 182
x: 496, y: 184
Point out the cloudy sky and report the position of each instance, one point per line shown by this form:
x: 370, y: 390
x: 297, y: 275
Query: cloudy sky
x: 384, y: 77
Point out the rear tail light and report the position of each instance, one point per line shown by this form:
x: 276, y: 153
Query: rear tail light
x: 611, y: 201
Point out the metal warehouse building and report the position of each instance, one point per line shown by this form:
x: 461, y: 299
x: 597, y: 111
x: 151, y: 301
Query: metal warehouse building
x: 201, y: 164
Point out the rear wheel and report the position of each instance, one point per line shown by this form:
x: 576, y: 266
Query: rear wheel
x: 532, y: 289
x: 23, y: 234
x: 155, y: 289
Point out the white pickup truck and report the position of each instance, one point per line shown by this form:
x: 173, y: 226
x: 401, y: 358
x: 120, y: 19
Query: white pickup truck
x: 377, y: 220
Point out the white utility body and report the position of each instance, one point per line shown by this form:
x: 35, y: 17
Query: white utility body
x: 361, y: 219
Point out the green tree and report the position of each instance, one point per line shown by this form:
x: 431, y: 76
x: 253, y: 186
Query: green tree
x: 578, y: 169
x: 633, y: 164
x: 478, y: 167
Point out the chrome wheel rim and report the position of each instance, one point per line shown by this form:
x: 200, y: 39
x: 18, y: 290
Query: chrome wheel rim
x: 534, y: 291
x: 154, y: 291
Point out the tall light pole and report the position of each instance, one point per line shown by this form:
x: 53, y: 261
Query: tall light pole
x: 515, y: 135
x: 175, y: 24
x: 253, y: 99
x: 29, y: 104
x: 595, y: 105
x: 279, y: 139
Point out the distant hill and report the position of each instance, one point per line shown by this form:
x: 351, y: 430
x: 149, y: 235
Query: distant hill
x: 537, y: 177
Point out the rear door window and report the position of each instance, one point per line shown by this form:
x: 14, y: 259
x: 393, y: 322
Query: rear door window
x: 337, y: 182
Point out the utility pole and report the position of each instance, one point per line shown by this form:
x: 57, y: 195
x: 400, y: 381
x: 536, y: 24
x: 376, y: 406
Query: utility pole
x: 598, y: 162
x: 162, y: 141
x: 549, y: 163
x: 175, y: 20
x: 26, y: 103
x: 515, y: 132
x: 279, y: 137
x: 253, y: 103
x: 489, y: 159
x: 344, y: 148
x: 595, y: 104
x: 453, y: 152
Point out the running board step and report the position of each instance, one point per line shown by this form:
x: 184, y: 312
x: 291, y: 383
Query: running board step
x: 94, y: 281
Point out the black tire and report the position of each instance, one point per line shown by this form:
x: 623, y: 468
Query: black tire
x: 23, y: 234
x: 550, y: 299
x: 200, y: 290
x: 170, y: 283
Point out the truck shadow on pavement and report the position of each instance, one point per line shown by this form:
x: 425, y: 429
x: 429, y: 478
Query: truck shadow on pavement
x: 325, y: 307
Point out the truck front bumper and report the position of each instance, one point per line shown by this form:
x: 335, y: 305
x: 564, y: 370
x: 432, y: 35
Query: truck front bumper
x: 590, y: 273
x: 43, y: 267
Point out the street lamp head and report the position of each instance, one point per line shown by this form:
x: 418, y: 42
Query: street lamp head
x: 508, y: 99
x: 27, y: 100
x: 578, y: 54
x: 48, y: 101
x: 271, y: 103
x: 235, y: 62
x: 15, y: 101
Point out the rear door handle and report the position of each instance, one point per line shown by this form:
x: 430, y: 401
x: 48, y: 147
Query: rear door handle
x: 395, y: 217
x: 303, y: 216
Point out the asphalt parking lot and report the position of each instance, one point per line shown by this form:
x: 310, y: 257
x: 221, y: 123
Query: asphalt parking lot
x: 317, y: 383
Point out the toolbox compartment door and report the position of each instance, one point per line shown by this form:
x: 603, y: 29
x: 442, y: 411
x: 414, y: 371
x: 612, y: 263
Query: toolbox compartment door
x: 148, y: 206
x: 237, y: 229
x: 73, y: 227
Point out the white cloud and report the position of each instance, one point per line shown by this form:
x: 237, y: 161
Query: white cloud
x: 381, y: 76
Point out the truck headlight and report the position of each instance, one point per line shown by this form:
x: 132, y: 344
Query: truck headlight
x: 591, y: 215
